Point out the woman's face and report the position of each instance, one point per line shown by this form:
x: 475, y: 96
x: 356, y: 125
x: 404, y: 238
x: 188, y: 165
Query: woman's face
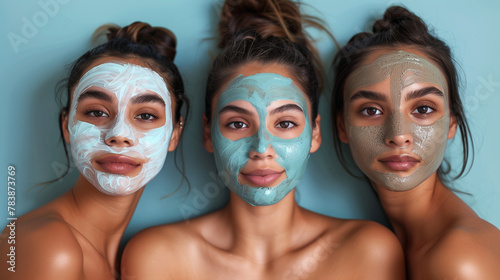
x: 120, y: 125
x: 261, y: 133
x: 396, y: 118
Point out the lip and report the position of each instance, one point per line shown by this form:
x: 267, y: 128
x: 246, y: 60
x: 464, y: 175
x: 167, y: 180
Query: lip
x: 117, y: 164
x: 399, y: 162
x: 262, y: 177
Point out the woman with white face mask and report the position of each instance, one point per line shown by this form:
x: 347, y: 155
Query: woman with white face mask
x: 121, y: 119
x: 396, y: 103
x: 261, y: 122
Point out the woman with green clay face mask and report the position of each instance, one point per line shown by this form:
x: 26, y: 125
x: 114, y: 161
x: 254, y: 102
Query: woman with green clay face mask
x: 121, y: 119
x: 396, y: 104
x: 261, y: 123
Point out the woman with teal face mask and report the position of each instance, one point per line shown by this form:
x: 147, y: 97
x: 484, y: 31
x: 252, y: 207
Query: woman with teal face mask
x: 396, y: 103
x: 261, y: 122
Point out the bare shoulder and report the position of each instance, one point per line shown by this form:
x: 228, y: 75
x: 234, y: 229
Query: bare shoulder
x: 161, y: 241
x: 45, y: 244
x: 376, y: 241
x: 368, y: 234
x: 372, y: 246
x: 181, y: 235
x: 469, y: 250
x: 165, y: 251
x: 367, y: 244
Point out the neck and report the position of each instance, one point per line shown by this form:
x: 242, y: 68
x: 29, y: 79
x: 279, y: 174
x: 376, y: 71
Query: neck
x: 417, y: 214
x: 99, y: 217
x: 264, y: 233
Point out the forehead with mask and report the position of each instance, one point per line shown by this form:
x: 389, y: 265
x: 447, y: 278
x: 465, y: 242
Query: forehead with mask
x: 425, y: 143
x: 124, y: 85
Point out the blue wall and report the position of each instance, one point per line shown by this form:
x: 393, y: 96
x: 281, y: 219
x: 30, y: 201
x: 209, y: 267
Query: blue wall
x: 38, y: 39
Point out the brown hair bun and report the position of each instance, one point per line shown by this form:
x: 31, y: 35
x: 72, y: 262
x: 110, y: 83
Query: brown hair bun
x: 276, y: 18
x: 162, y: 39
x: 400, y: 20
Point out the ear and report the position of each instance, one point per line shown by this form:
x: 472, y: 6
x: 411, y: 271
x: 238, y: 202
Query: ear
x: 341, y: 132
x: 453, y: 126
x: 207, y: 135
x: 316, y: 135
x: 64, y: 124
x: 176, y: 135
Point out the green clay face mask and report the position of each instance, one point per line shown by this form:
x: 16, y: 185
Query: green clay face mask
x: 260, y: 90
x: 368, y: 144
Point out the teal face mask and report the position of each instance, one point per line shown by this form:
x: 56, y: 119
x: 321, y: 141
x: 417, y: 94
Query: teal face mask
x: 291, y: 154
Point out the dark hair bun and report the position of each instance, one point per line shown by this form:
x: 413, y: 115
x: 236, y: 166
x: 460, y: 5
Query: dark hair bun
x: 400, y: 19
x: 162, y: 39
x: 362, y: 36
x: 278, y: 18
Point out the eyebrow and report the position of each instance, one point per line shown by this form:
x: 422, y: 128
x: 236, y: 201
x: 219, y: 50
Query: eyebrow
x: 95, y: 94
x: 286, y: 107
x: 368, y: 95
x: 235, y: 109
x: 146, y: 98
x: 423, y: 92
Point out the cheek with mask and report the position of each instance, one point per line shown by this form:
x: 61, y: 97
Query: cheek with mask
x: 88, y: 141
x: 291, y: 154
x: 368, y: 143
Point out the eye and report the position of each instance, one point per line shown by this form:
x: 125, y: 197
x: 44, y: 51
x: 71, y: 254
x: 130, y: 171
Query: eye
x: 371, y: 111
x: 237, y: 125
x: 146, y: 117
x: 423, y: 110
x: 96, y: 114
x: 286, y: 125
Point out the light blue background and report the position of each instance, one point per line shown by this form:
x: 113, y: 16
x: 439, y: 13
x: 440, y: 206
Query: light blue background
x: 29, y: 126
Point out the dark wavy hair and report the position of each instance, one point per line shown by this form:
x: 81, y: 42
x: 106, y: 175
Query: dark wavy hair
x: 401, y: 28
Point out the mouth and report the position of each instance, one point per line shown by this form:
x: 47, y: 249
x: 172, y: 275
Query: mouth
x: 117, y: 164
x: 262, y: 177
x: 400, y: 162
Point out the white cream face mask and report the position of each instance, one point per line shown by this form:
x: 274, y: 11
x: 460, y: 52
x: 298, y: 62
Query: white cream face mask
x: 231, y: 156
x: 125, y: 83
x: 368, y: 143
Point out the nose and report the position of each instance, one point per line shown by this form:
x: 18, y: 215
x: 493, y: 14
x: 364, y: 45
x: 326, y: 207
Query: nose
x: 398, y: 132
x: 119, y: 141
x: 120, y: 135
x: 267, y: 153
x: 261, y: 147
